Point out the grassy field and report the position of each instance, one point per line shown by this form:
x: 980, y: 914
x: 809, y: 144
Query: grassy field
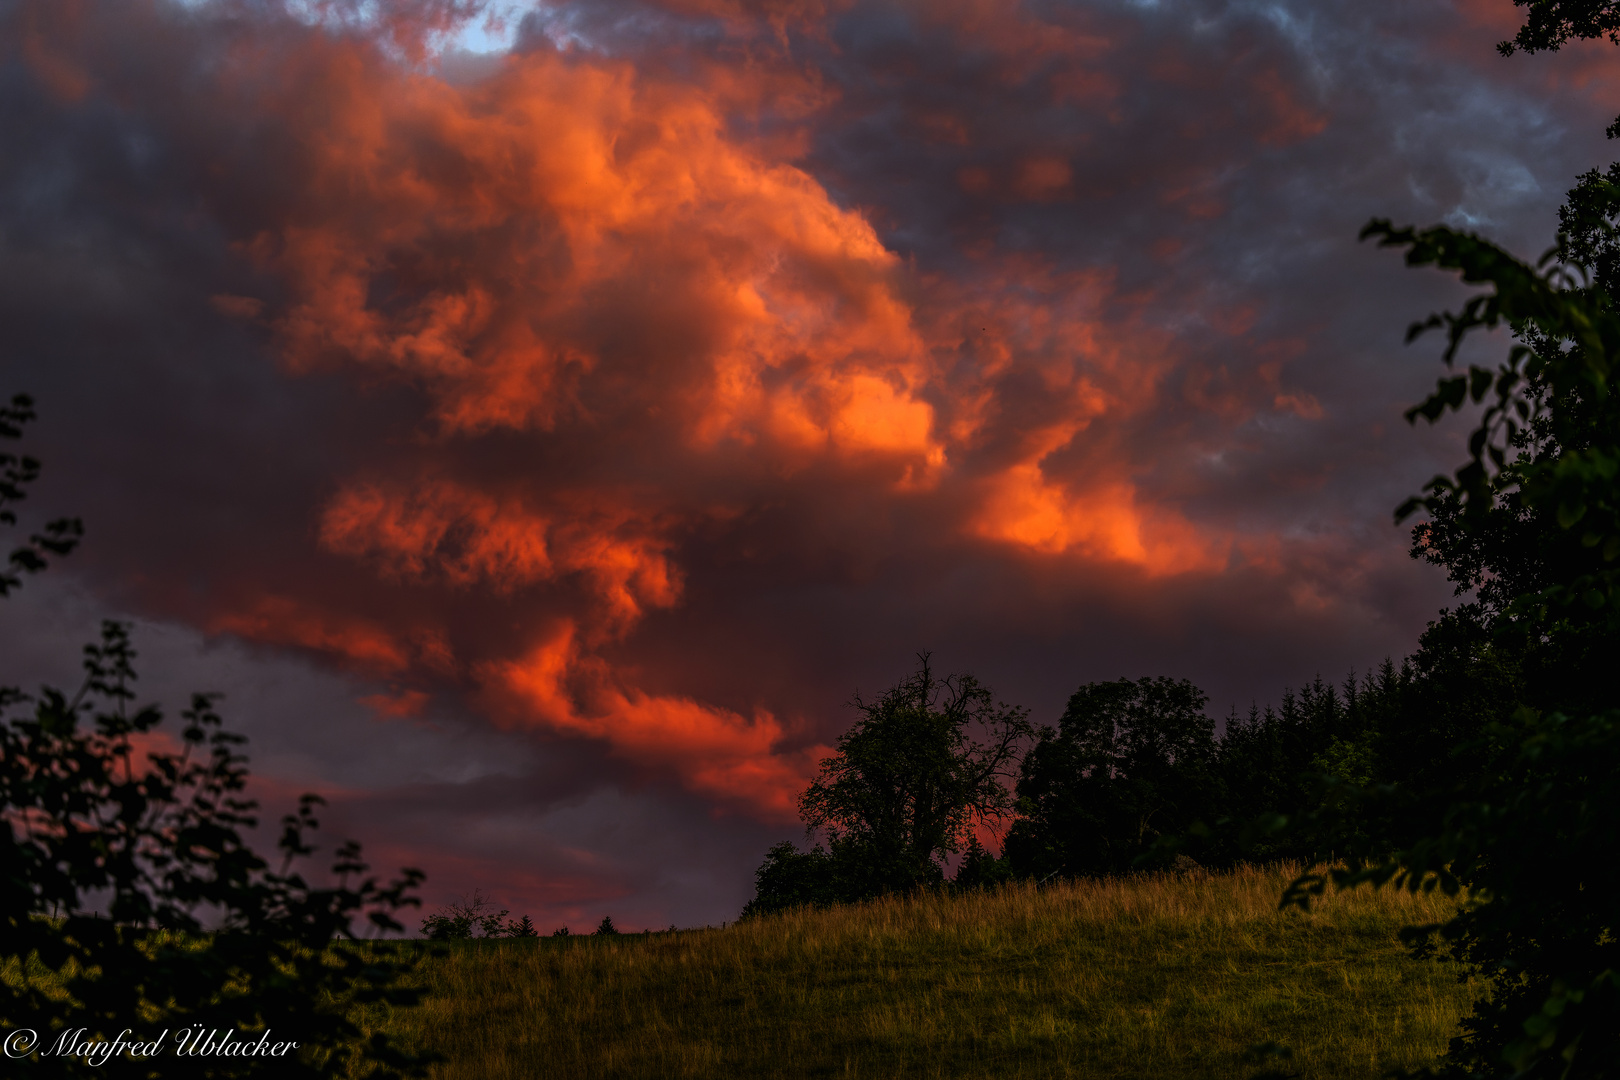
x: 1152, y: 976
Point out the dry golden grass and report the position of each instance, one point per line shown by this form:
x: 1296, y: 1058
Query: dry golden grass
x: 1149, y: 976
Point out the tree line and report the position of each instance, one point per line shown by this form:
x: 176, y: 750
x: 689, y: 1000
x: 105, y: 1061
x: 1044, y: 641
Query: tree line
x: 1132, y: 777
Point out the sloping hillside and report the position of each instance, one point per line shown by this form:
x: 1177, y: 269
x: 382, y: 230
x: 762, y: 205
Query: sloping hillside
x: 1150, y: 976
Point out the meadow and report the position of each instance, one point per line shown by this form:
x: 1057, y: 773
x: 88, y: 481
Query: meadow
x: 1145, y: 976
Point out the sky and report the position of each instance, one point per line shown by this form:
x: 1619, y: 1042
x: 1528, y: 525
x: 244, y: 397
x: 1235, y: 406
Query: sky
x: 538, y: 421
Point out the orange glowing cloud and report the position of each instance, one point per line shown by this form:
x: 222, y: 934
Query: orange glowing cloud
x: 440, y: 528
x: 1106, y: 522
x: 282, y: 620
x: 1072, y: 336
x: 464, y: 535
x: 482, y: 241
x: 471, y: 238
x: 717, y: 752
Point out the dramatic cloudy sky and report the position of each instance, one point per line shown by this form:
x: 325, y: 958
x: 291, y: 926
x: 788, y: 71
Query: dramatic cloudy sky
x: 539, y: 420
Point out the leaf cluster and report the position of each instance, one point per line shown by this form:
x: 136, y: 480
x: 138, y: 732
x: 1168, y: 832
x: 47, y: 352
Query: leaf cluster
x: 17, y: 472
x: 1550, y: 24
x: 1546, y: 446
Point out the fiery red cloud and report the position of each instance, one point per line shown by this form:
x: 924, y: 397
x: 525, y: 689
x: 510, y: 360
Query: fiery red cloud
x: 568, y: 246
x: 687, y: 335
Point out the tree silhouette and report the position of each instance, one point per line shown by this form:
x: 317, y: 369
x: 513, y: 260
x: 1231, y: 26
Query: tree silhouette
x: 923, y: 765
x: 1128, y: 762
x: 1522, y: 821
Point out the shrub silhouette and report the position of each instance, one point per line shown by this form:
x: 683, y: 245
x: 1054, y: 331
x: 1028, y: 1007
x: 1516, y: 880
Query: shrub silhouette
x: 128, y: 896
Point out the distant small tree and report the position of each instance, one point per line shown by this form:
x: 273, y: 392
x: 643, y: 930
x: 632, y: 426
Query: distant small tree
x: 606, y: 926
x: 790, y: 878
x: 524, y: 927
x: 980, y: 869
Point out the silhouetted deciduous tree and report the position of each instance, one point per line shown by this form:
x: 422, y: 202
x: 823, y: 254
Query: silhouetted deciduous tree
x: 922, y: 766
x: 909, y: 780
